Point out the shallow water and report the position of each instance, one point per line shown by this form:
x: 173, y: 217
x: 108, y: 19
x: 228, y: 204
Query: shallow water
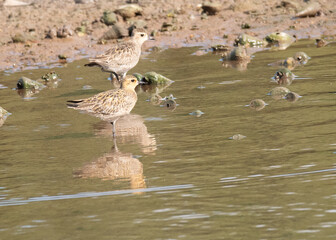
x: 174, y: 175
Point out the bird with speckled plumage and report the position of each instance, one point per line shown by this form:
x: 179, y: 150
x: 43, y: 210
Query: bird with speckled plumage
x: 112, y: 104
x: 121, y: 57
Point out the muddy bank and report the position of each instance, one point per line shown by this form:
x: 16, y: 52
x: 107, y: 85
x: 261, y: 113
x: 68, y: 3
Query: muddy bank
x: 44, y: 32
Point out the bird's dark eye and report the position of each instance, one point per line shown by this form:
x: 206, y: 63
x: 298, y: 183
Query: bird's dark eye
x: 299, y: 58
x: 142, y: 35
x: 132, y: 80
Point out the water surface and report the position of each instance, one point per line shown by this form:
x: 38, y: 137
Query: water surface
x: 169, y: 174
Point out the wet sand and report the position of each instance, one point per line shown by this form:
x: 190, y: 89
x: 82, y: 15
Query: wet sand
x: 187, y: 25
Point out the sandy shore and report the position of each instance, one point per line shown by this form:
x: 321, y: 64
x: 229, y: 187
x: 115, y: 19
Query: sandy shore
x: 23, y: 29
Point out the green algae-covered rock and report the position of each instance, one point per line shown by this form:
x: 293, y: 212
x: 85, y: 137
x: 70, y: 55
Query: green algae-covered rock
x: 138, y: 76
x: 279, y: 92
x: 109, y: 18
x: 279, y: 38
x: 156, y: 78
x: 257, y: 104
x: 27, y: 83
x: 249, y: 41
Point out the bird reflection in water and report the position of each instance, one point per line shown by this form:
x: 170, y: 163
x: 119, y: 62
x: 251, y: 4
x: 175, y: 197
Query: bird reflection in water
x: 117, y: 165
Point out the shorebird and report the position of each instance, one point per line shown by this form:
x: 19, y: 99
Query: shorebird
x: 122, y: 57
x: 110, y: 105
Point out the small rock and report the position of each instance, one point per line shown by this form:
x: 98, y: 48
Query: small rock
x: 249, y: 41
x: 311, y: 10
x: 84, y: 1
x: 220, y: 48
x: 279, y: 92
x: 257, y: 104
x: 139, y: 77
x: 196, y: 113
x: 64, y: 32
x: 292, y: 97
x: 48, y: 77
x: 3, y: 116
x: 301, y: 57
x: 115, y: 32
x: 169, y: 102
x: 129, y: 10
x: 283, y: 76
x: 52, y: 33
x: 237, y: 137
x: 18, y: 38
x: 245, y: 26
x: 237, y: 54
x: 109, y: 18
x: 321, y: 42
x: 211, y: 8
x: 279, y: 38
x: 87, y: 87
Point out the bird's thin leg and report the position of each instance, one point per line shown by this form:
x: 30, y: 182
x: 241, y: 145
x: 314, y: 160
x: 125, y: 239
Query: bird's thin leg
x: 113, y: 128
x: 123, y: 76
x: 116, y: 75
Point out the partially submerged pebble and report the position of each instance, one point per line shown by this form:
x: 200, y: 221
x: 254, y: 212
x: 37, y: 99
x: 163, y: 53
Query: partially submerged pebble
x: 52, y: 76
x: 220, y: 48
x: 129, y: 10
x: 169, y: 102
x: 196, y: 113
x: 301, y: 57
x: 279, y: 92
x: 311, y: 10
x: 27, y: 83
x: 320, y: 42
x: 87, y: 87
x: 292, y: 97
x: 237, y: 54
x: 257, y: 104
x: 283, y: 77
x: 249, y: 41
x: 237, y: 137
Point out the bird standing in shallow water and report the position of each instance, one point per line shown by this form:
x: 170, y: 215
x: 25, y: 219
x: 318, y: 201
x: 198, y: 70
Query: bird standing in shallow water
x: 122, y: 57
x: 112, y: 104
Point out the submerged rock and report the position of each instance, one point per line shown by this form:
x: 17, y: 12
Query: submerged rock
x: 48, y: 77
x: 138, y: 76
x: 27, y: 83
x: 169, y: 102
x: 196, y: 113
x: 279, y: 38
x: 109, y: 18
x: 279, y: 92
x: 283, y: 76
x: 237, y: 137
x: 155, y: 78
x: 210, y: 8
x: 320, y: 42
x: 237, y: 54
x: 292, y: 97
x: 311, y: 10
x: 249, y: 41
x: 257, y: 104
x: 301, y: 57
x: 129, y: 10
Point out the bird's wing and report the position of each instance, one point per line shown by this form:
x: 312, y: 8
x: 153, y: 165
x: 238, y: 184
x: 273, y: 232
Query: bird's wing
x: 119, y: 54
